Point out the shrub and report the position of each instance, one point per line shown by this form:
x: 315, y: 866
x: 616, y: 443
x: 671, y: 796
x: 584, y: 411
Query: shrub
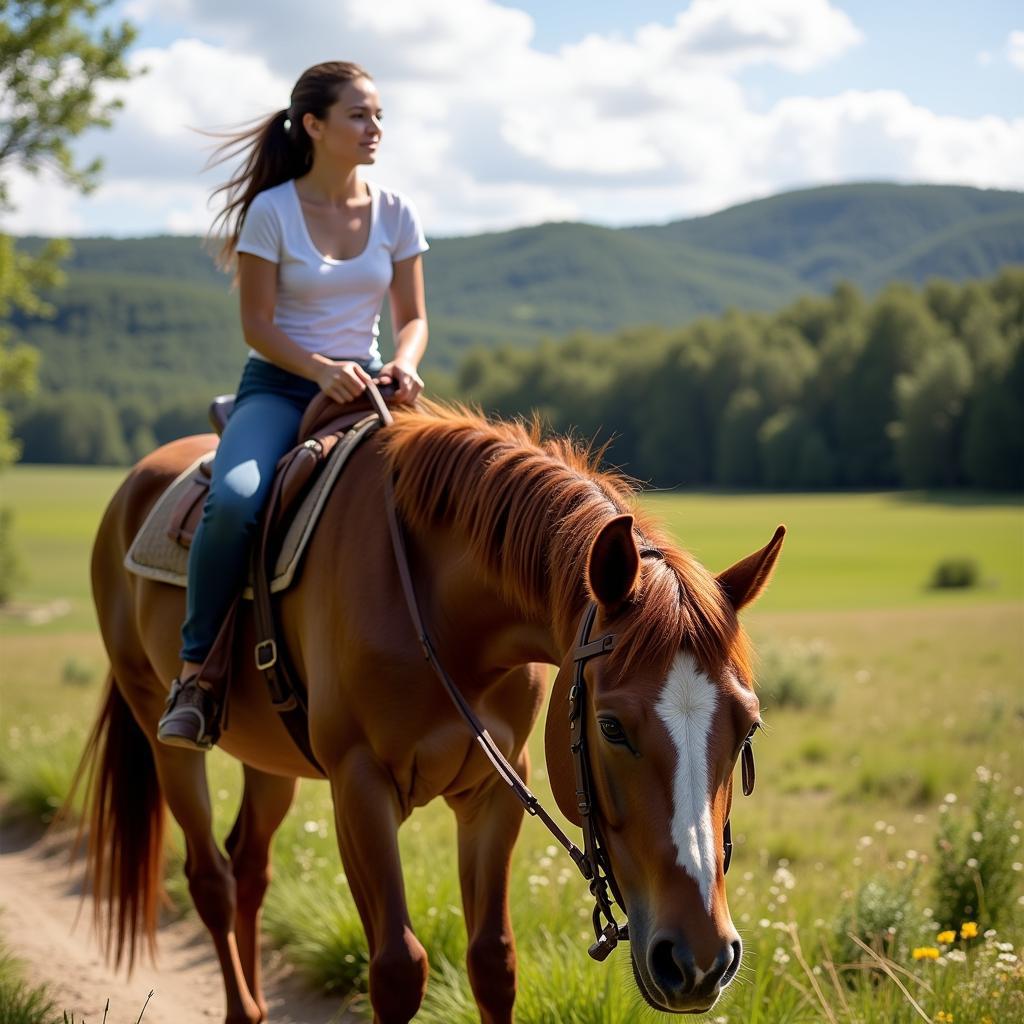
x: 974, y: 873
x: 883, y: 915
x: 792, y: 676
x: 77, y: 673
x: 953, y: 573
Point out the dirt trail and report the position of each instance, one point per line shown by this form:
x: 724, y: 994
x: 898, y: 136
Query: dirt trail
x: 39, y: 903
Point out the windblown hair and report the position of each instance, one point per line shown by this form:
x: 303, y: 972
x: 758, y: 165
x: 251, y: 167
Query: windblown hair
x: 530, y: 509
x: 276, y: 149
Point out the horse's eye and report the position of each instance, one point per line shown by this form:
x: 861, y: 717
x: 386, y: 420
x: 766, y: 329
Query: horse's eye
x: 612, y: 730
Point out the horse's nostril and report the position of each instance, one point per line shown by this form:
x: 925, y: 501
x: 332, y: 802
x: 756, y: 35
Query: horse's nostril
x: 671, y: 965
x: 737, y: 956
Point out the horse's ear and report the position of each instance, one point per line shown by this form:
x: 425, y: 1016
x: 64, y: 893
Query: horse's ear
x: 743, y: 582
x: 614, y: 562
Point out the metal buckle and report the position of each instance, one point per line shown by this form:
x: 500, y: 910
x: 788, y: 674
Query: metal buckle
x: 268, y: 648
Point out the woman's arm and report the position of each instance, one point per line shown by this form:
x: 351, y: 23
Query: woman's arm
x: 409, y: 320
x: 257, y: 286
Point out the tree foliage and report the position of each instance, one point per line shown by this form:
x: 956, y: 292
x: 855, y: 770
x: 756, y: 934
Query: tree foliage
x: 916, y: 389
x: 52, y: 62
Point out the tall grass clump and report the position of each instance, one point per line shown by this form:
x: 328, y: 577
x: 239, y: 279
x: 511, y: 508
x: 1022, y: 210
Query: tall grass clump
x: 21, y: 1003
x: 557, y: 985
x: 37, y: 767
x: 978, y: 853
x: 792, y: 675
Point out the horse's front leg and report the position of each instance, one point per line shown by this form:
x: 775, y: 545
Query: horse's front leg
x: 489, y: 822
x: 367, y: 815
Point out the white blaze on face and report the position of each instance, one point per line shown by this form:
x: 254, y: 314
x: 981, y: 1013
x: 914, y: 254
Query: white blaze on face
x: 687, y: 707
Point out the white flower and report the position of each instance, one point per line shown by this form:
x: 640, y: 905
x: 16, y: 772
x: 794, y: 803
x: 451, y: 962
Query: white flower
x: 972, y: 862
x: 957, y: 955
x: 950, y: 798
x: 976, y: 837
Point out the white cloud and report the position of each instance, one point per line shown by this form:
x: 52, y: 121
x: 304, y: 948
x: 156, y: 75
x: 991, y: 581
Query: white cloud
x: 1015, y: 49
x: 795, y: 34
x: 41, y: 205
x: 485, y: 131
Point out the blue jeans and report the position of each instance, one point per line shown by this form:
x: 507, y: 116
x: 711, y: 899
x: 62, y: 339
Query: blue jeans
x: 263, y: 426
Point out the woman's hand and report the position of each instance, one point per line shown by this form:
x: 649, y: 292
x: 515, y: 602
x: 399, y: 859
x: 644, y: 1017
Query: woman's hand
x: 406, y: 378
x: 341, y: 379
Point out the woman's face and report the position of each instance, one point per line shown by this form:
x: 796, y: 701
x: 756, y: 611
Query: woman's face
x: 351, y: 131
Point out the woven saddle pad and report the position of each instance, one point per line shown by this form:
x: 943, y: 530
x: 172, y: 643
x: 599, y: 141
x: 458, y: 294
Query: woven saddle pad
x: 155, y: 556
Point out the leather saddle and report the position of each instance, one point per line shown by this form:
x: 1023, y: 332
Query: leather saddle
x: 324, y: 425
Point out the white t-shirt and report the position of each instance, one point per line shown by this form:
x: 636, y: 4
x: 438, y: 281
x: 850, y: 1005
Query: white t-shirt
x: 325, y: 305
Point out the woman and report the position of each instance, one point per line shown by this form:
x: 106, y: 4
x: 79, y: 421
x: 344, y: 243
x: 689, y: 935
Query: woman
x: 317, y: 248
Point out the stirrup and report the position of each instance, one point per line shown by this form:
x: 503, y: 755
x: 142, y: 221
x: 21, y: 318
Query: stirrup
x: 193, y: 724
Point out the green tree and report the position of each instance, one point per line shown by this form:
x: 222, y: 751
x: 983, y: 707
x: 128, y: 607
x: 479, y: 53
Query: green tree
x: 51, y: 63
x: 737, y: 462
x: 994, y: 442
x: 932, y: 401
x: 73, y: 428
x: 901, y: 329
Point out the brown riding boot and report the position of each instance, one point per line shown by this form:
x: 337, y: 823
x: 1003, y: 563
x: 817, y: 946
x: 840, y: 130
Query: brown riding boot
x: 190, y: 717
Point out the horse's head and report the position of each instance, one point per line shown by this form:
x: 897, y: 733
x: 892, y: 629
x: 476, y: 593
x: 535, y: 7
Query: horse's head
x: 665, y: 718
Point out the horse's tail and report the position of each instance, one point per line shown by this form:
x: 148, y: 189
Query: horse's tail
x: 124, y: 820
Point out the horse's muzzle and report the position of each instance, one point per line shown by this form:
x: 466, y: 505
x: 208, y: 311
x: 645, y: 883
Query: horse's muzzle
x: 671, y: 981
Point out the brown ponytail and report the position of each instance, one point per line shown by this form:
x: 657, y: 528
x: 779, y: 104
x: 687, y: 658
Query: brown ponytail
x: 275, y: 149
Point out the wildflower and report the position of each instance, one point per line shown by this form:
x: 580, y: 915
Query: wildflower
x: 949, y: 936
x: 943, y: 1018
x: 968, y: 930
x: 958, y: 956
x: 926, y: 953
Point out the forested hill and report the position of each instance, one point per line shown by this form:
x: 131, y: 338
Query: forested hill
x: 517, y: 286
x: 146, y: 330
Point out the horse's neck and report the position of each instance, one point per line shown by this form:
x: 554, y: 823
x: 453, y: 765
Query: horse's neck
x: 479, y: 617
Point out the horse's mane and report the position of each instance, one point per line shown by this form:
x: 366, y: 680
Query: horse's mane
x: 530, y: 508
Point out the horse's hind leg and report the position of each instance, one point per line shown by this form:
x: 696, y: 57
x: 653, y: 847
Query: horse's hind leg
x: 265, y: 801
x: 210, y: 881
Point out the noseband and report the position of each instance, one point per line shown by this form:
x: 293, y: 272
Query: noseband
x: 592, y: 861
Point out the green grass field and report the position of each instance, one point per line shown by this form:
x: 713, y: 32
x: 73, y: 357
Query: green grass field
x: 907, y: 693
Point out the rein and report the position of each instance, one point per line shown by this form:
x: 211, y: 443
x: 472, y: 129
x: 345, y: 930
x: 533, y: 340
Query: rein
x: 592, y: 861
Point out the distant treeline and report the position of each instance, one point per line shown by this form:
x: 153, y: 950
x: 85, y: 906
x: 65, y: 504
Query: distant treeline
x: 914, y: 388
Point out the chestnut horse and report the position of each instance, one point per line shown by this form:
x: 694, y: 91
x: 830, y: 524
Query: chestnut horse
x: 509, y: 539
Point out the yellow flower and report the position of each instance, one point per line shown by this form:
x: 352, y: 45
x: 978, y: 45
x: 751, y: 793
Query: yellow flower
x: 949, y: 936
x: 968, y: 930
x: 943, y: 1018
x: 926, y: 953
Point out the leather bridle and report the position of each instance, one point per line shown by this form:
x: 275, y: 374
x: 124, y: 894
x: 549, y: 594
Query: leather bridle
x: 592, y: 861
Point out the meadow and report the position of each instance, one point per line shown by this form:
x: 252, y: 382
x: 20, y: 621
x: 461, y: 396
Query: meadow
x: 877, y: 872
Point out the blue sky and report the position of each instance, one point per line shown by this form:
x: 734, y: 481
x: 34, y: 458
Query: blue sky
x: 928, y: 50
x: 516, y: 113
